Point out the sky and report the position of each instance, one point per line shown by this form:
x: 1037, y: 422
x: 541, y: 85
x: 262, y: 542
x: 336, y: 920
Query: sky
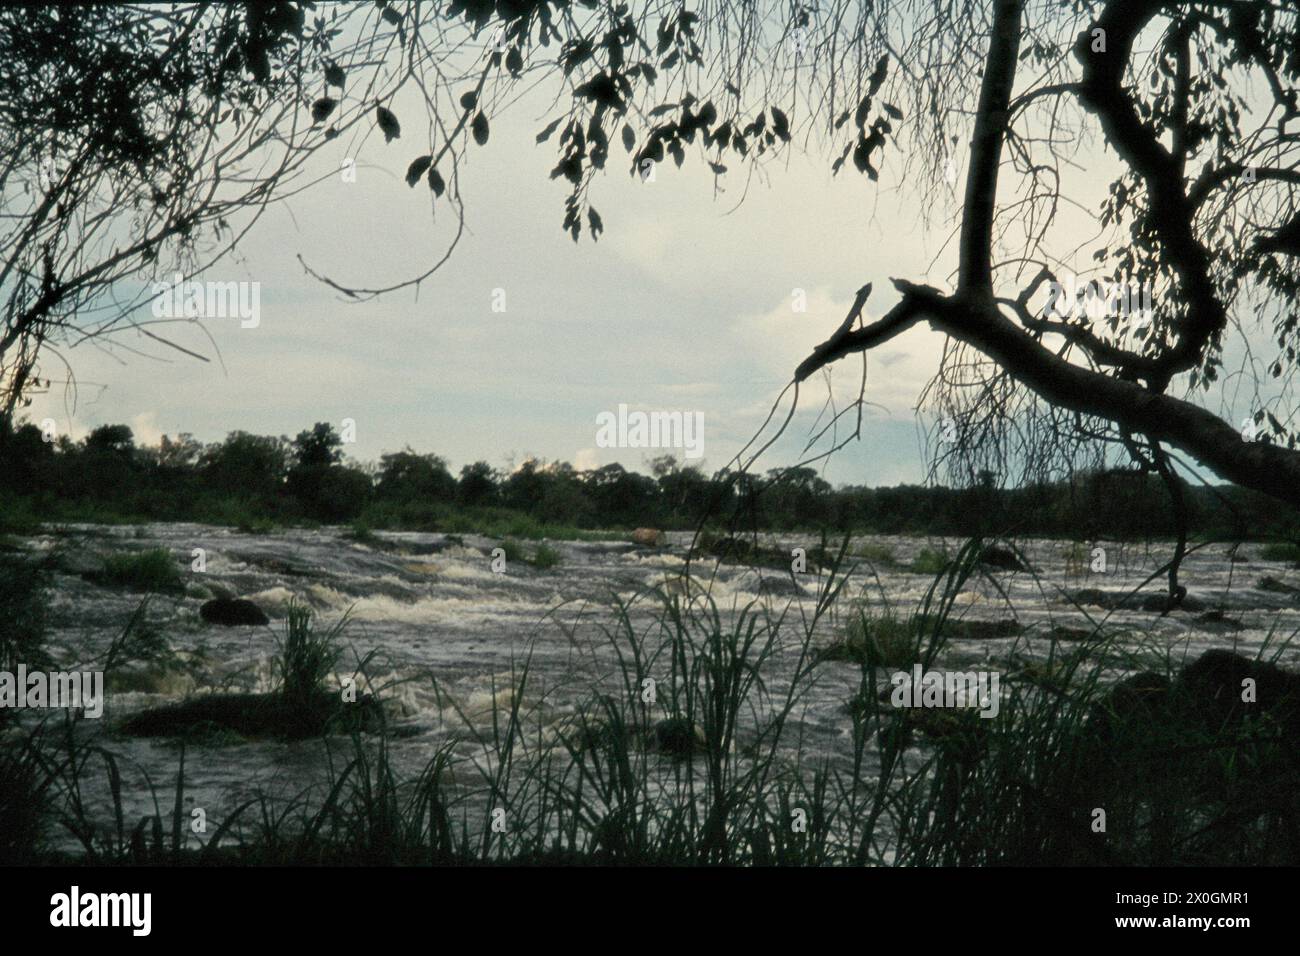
x: 688, y: 302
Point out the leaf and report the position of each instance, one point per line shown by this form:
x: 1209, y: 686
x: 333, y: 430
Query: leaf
x: 334, y: 74
x: 469, y: 100
x: 417, y: 168
x: 514, y: 61
x: 780, y: 124
x: 479, y: 127
x: 860, y: 115
x: 545, y: 134
x: 435, y: 181
x: 862, y: 156
x: 594, y: 222
x: 388, y: 123
x: 718, y: 168
x: 601, y: 89
x: 629, y: 138
x: 893, y: 111
x: 322, y: 108
x: 878, y: 76
x: 392, y: 16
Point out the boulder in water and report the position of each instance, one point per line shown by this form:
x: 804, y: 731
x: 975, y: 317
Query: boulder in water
x: 1217, y: 621
x: 648, y: 537
x: 1004, y: 559
x: 1274, y: 586
x: 1163, y: 603
x: 255, y: 716
x: 233, y: 612
x: 677, y: 737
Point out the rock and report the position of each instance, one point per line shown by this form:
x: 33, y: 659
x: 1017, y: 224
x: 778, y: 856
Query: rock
x: 1214, y: 686
x: 233, y: 612
x: 1216, y: 621
x: 967, y: 630
x: 676, y: 737
x: 780, y: 587
x: 736, y: 550
x: 1139, y: 696
x: 1060, y: 632
x: 648, y: 537
x: 1274, y: 586
x: 1112, y: 600
x: 1097, y: 598
x: 996, y: 556
x: 1161, y: 603
x: 258, y: 716
x: 1203, y: 777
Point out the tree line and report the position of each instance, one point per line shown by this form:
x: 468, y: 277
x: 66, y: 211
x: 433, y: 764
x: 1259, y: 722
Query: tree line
x: 251, y: 480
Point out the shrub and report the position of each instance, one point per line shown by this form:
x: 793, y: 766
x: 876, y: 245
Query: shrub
x: 930, y: 561
x: 513, y: 550
x: 152, y: 570
x: 545, y: 557
x: 875, y: 553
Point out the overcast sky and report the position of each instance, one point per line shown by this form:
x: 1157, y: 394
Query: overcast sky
x: 686, y: 303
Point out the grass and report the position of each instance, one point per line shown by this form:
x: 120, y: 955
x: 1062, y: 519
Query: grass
x: 23, y: 584
x: 153, y: 570
x: 930, y: 561
x: 307, y: 656
x: 1178, y: 785
x: 302, y: 705
x: 361, y: 533
x: 883, y: 639
x: 876, y: 553
x: 543, y: 557
x: 1288, y: 551
x: 488, y: 521
x: 17, y: 516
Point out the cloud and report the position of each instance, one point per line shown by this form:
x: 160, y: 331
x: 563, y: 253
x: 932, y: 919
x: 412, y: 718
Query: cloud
x: 586, y: 459
x: 144, y: 427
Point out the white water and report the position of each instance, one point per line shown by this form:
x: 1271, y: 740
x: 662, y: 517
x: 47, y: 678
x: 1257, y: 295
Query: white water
x: 452, y: 635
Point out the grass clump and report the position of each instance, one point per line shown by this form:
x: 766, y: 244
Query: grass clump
x: 153, y: 570
x: 23, y: 605
x: 361, y: 533
x: 307, y: 656
x: 876, y: 553
x: 302, y: 706
x: 1281, y: 551
x: 545, y: 557
x: 881, y: 640
x: 930, y: 561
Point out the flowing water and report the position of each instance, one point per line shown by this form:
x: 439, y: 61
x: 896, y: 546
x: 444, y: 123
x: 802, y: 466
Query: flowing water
x: 451, y: 634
